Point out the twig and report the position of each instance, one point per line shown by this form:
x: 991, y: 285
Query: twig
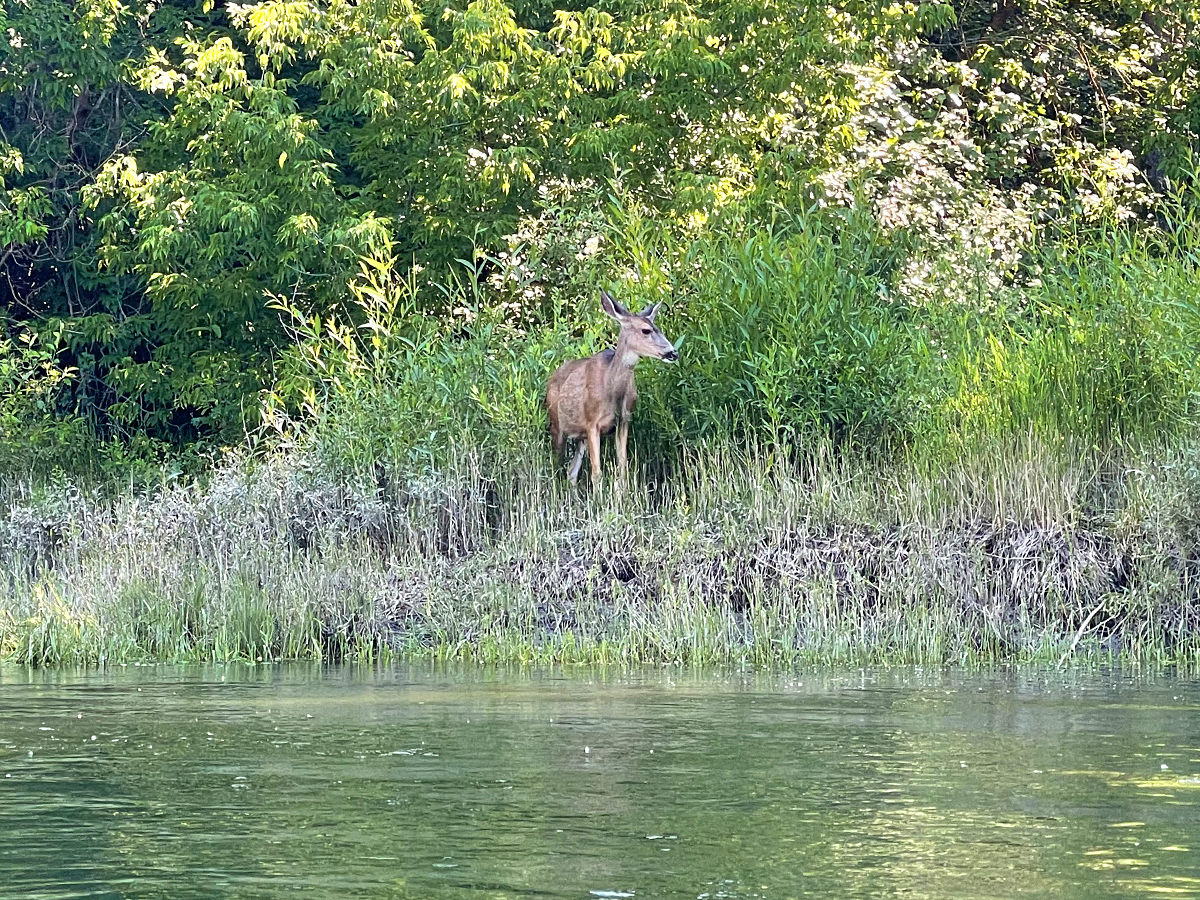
x: 1079, y: 633
x: 1100, y: 95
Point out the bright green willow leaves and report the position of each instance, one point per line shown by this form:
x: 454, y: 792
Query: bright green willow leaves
x: 454, y: 117
x: 255, y: 211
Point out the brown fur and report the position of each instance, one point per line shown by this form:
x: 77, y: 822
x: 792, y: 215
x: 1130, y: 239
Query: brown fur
x: 587, y: 398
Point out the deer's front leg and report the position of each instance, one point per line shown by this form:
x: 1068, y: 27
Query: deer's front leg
x: 594, y: 452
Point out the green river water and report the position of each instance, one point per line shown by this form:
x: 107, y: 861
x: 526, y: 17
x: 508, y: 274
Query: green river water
x: 302, y: 781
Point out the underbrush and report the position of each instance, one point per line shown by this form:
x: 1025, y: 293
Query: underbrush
x: 792, y: 330
x: 1022, y: 554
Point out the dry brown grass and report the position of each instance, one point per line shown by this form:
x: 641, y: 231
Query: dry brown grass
x: 734, y: 558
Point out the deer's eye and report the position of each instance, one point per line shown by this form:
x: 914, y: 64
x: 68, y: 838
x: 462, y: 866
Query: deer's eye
x: 646, y: 331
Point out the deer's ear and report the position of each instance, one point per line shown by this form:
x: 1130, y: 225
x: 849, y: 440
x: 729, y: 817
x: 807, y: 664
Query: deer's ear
x: 651, y: 311
x: 611, y: 306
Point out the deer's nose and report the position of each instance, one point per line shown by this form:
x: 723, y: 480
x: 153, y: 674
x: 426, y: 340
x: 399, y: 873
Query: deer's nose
x: 670, y: 356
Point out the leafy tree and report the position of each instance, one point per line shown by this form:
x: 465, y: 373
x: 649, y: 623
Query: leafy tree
x: 455, y: 120
x: 231, y: 199
x: 1098, y: 99
x: 67, y: 103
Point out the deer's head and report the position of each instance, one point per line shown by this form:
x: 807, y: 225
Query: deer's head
x: 639, y: 335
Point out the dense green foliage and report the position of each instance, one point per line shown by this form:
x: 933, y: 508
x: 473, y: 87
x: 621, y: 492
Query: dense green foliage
x: 873, y: 220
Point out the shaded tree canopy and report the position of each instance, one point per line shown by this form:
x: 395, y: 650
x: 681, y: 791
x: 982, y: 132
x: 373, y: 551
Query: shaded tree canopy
x: 170, y: 173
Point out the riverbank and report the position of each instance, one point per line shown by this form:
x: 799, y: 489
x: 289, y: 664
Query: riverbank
x: 1022, y: 553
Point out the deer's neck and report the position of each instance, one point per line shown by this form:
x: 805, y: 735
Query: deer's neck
x: 623, y: 361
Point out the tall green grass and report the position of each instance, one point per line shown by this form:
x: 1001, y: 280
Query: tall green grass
x: 1099, y: 347
x: 796, y: 329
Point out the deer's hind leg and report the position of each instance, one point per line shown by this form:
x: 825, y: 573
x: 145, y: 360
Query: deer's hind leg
x: 577, y: 463
x: 622, y: 447
x: 557, y: 438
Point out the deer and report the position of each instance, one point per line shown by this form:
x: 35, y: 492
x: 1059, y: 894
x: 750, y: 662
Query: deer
x: 586, y: 398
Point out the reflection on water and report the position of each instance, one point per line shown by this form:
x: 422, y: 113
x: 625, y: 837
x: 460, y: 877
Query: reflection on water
x: 350, y: 782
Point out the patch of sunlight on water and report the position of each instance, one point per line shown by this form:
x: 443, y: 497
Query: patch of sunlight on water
x: 413, y: 782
